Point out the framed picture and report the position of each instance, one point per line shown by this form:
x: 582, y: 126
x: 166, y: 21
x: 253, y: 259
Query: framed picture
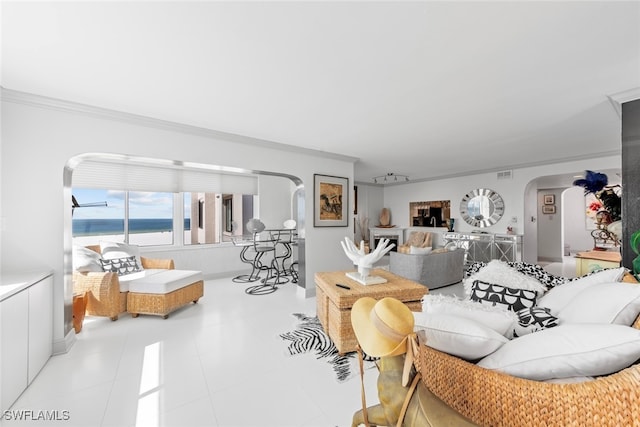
x: 549, y: 199
x: 549, y: 209
x: 330, y: 201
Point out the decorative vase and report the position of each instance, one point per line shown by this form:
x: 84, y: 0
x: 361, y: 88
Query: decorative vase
x: 450, y: 223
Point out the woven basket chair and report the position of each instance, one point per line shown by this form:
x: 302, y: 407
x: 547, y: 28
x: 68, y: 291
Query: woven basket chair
x: 102, y: 290
x: 491, y: 398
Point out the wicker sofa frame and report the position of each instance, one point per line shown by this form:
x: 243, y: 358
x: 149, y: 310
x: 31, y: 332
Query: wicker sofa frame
x: 103, y: 289
x: 491, y: 398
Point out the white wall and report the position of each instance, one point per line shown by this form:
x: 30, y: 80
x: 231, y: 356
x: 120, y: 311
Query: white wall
x: 550, y: 248
x: 370, y: 203
x: 519, y: 194
x: 575, y: 232
x: 275, y: 200
x: 38, y: 139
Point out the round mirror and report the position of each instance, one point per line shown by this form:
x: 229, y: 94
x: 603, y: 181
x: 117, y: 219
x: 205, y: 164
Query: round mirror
x: 481, y: 207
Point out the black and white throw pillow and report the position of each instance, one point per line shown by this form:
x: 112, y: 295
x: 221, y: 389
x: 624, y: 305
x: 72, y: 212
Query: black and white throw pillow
x: 121, y: 266
x: 502, y: 296
x: 533, y: 319
x: 532, y: 270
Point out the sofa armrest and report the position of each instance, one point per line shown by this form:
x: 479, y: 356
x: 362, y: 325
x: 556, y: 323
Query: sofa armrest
x: 444, y: 268
x: 434, y: 270
x: 102, y: 291
x: 166, y: 264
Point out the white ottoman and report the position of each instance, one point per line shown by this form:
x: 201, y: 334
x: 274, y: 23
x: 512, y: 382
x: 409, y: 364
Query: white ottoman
x: 161, y: 293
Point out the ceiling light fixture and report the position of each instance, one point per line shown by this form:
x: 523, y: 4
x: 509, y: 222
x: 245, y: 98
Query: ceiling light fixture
x: 390, y: 176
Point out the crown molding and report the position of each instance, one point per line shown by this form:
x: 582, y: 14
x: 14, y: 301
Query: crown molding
x: 18, y: 97
x: 619, y: 98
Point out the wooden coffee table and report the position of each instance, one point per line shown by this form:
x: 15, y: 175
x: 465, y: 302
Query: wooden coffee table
x: 334, y: 303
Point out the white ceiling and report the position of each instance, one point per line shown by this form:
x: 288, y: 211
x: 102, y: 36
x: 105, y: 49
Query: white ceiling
x: 425, y: 89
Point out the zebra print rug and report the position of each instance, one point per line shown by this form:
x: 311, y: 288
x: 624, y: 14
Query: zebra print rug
x: 309, y: 336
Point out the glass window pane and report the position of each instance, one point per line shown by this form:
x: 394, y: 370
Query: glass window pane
x: 97, y: 215
x: 150, y: 218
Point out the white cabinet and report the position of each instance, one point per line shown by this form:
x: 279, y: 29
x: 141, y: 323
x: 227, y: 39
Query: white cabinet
x: 26, y: 331
x: 40, y: 326
x: 15, y: 348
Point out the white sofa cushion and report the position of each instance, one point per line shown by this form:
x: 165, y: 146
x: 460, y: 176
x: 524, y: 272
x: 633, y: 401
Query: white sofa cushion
x: 617, y: 303
x: 164, y: 281
x: 568, y: 350
x: 85, y: 260
x: 496, y: 318
x: 126, y: 280
x: 561, y: 295
x: 458, y: 336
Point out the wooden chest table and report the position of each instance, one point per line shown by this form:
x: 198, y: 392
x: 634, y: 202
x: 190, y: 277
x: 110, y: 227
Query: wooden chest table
x: 334, y: 303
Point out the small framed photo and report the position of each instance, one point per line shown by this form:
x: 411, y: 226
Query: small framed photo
x: 548, y: 209
x: 549, y: 199
x: 330, y: 201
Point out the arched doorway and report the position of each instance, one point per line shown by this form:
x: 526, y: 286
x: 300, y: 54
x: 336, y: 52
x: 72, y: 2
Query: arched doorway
x: 551, y: 231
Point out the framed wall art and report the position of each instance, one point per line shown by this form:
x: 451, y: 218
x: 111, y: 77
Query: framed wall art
x: 549, y: 199
x: 549, y: 209
x: 330, y: 201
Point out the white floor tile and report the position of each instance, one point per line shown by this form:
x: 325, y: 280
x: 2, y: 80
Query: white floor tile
x: 216, y: 363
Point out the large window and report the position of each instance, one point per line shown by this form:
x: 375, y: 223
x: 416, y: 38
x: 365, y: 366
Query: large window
x: 159, y: 202
x: 149, y: 218
x: 99, y: 215
x: 141, y: 218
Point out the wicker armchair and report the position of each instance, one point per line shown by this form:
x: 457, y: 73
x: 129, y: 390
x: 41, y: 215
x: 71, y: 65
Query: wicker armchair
x: 491, y: 398
x: 103, y: 289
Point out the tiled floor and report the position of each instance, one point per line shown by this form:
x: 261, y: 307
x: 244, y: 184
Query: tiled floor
x: 217, y: 363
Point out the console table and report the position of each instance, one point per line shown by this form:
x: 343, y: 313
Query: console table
x: 483, y: 247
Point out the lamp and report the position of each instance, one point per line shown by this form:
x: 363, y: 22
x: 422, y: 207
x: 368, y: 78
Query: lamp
x: 390, y: 176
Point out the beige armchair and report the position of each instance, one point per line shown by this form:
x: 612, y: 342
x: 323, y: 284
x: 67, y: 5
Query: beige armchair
x: 418, y: 239
x: 102, y: 289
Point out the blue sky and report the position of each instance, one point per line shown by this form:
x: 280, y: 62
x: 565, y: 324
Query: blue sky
x: 141, y: 204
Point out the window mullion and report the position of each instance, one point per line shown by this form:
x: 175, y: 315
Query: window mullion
x: 126, y: 217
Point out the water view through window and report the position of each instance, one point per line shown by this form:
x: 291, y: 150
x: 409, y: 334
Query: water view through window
x: 147, y: 218
x: 101, y: 215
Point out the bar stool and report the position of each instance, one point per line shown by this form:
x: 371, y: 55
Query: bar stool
x: 264, y: 244
x: 247, y: 246
x: 283, y: 240
x: 254, y: 225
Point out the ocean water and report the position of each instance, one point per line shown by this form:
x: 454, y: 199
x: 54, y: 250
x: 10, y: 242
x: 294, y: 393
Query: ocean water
x: 92, y: 227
